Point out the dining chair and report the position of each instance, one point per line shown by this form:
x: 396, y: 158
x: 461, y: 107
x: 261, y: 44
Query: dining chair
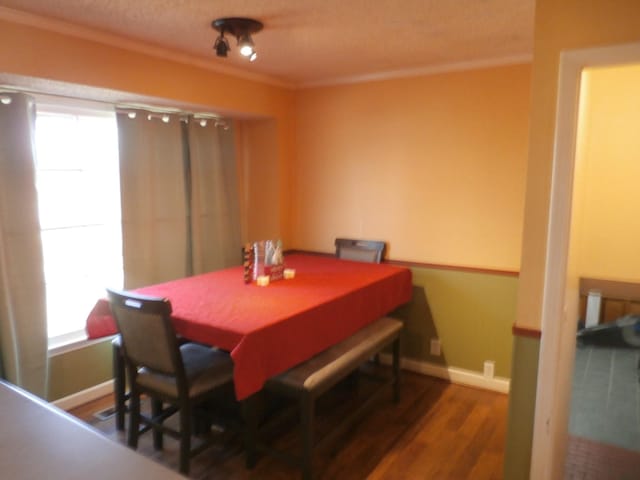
x: 371, y: 251
x: 184, y: 377
x: 120, y: 392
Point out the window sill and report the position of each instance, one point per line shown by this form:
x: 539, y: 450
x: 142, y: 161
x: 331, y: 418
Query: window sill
x: 72, y: 341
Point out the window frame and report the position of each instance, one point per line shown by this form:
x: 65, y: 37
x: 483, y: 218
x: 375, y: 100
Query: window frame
x: 46, y: 105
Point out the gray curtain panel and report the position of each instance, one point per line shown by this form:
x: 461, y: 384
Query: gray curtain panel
x: 180, y: 200
x: 215, y: 210
x: 153, y: 196
x: 23, y: 323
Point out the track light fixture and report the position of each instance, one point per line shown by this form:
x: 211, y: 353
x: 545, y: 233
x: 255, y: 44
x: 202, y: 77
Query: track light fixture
x: 221, y: 46
x: 241, y: 28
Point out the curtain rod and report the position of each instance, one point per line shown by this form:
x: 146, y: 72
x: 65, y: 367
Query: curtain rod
x: 131, y: 110
x: 201, y: 118
x: 115, y: 106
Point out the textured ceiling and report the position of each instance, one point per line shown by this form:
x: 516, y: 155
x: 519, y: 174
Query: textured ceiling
x: 310, y: 42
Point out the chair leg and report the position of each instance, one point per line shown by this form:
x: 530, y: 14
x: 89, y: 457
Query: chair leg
x: 250, y: 419
x: 307, y: 412
x: 185, y: 438
x: 119, y: 386
x: 134, y: 419
x: 156, y: 410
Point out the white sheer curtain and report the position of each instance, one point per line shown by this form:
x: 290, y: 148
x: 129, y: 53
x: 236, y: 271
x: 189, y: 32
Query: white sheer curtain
x: 153, y: 195
x: 215, y: 210
x: 23, y: 324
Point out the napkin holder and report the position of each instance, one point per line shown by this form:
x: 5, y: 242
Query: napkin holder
x: 266, y: 259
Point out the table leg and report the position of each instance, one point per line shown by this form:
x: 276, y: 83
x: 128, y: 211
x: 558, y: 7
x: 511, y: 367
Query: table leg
x: 250, y: 418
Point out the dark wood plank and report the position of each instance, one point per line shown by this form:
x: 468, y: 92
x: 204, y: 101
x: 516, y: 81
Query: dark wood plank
x: 438, y: 430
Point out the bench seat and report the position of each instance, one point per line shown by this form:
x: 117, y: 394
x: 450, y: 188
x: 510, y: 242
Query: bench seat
x: 310, y: 379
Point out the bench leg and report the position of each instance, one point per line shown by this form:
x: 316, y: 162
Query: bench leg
x: 396, y: 370
x: 307, y: 413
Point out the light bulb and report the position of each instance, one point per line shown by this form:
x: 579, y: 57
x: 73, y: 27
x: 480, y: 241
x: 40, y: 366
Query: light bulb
x: 5, y: 100
x: 246, y: 50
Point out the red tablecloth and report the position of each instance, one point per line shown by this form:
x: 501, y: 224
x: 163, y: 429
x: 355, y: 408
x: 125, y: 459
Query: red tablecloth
x: 270, y: 329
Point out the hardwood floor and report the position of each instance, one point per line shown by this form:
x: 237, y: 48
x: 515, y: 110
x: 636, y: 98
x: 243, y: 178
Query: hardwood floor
x: 437, y: 431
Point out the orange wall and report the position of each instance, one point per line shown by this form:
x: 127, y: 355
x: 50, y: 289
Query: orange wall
x: 609, y: 172
x: 262, y: 180
x: 434, y: 165
x: 33, y: 52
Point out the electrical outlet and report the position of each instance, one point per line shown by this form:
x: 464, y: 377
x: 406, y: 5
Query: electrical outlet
x: 435, y: 347
x: 489, y: 367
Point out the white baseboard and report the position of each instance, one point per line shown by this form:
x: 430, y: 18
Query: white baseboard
x: 454, y: 375
x: 84, y: 396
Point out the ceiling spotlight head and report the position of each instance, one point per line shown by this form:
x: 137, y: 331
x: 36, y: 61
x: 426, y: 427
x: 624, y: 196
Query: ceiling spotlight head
x: 241, y: 28
x: 245, y: 42
x: 221, y: 46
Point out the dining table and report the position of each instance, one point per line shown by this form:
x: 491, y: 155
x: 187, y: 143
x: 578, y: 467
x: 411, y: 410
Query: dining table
x: 269, y: 329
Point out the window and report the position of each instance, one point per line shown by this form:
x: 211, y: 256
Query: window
x: 79, y: 207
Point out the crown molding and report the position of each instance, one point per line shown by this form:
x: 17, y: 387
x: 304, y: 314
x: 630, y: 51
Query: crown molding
x: 422, y: 71
x: 105, y: 38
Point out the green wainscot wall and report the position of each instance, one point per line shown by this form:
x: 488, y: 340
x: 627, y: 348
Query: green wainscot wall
x: 471, y: 313
x: 522, y: 403
x: 80, y: 368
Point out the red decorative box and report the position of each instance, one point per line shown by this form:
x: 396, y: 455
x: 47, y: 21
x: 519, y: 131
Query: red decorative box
x: 275, y: 272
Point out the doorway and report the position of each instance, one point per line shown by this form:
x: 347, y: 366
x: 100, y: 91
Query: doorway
x: 604, y: 420
x: 560, y: 303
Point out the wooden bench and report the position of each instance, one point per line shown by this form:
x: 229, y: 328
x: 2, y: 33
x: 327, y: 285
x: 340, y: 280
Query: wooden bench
x: 307, y: 381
